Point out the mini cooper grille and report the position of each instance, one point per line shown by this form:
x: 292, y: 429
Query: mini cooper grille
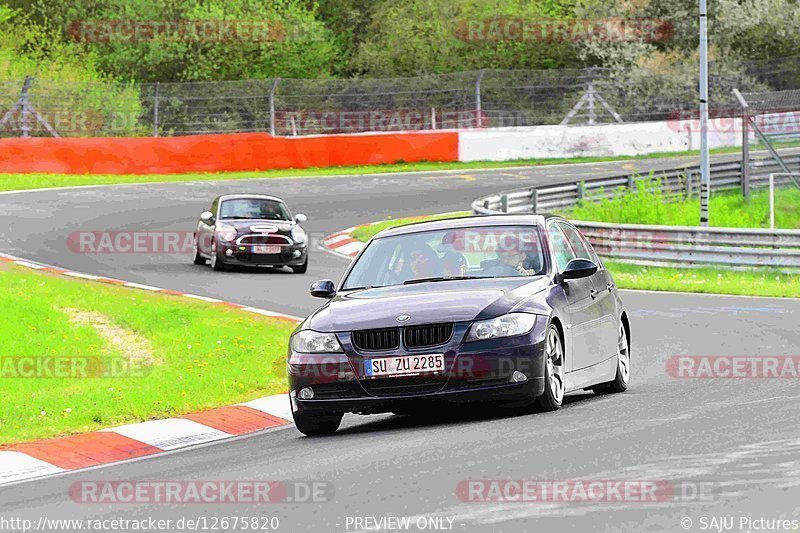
x: 427, y: 335
x: 373, y: 340
x: 265, y: 239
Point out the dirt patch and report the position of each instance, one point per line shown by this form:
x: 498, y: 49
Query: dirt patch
x: 129, y: 343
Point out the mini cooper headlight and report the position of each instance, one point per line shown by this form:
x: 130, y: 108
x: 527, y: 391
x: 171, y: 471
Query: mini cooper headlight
x: 226, y: 232
x: 503, y: 326
x: 307, y: 341
x: 298, y: 235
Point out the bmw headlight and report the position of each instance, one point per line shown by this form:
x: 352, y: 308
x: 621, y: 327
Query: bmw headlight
x: 226, y: 232
x: 307, y: 341
x: 298, y: 235
x: 508, y: 325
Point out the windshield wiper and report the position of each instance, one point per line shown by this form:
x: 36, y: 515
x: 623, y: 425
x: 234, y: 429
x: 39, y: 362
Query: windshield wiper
x: 426, y: 280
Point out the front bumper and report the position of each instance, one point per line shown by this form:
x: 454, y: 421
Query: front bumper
x: 474, y: 372
x: 241, y: 254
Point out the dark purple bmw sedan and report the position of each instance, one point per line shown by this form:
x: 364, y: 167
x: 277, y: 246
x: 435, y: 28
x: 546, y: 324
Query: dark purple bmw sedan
x: 510, y: 308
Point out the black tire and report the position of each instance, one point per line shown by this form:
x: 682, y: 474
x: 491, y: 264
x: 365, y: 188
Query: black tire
x: 315, y: 424
x: 302, y: 268
x: 198, y: 259
x: 551, y: 398
x: 623, y: 376
x: 216, y: 261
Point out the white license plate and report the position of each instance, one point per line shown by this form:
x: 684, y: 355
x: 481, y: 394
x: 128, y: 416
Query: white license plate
x: 266, y: 249
x: 404, y: 365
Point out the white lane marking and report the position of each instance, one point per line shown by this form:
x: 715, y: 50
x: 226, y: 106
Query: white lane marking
x: 81, y: 275
x: 277, y: 405
x: 143, y: 287
x: 171, y: 433
x: 203, y: 298
x: 15, y: 466
x: 26, y: 264
x: 270, y: 313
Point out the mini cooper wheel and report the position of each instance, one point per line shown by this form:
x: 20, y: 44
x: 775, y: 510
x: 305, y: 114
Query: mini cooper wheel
x: 198, y: 259
x: 620, y: 382
x: 553, y: 394
x: 313, y: 424
x: 216, y: 262
x: 301, y: 269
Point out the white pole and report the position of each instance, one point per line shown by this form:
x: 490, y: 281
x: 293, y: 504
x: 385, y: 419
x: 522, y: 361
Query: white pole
x: 705, y: 174
x: 772, y: 201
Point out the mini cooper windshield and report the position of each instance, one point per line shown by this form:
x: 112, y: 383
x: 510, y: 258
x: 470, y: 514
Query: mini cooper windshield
x: 253, y: 208
x: 463, y: 253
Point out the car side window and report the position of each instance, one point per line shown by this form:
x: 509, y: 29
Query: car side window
x: 574, y: 238
x: 561, y: 248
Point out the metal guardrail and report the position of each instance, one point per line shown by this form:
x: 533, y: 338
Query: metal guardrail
x: 666, y: 244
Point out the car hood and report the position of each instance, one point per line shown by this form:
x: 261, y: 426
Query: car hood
x: 245, y: 226
x: 424, y: 303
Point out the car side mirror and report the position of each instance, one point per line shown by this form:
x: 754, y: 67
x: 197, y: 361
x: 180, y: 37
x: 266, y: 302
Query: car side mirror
x: 579, y: 268
x: 300, y: 218
x: 206, y: 216
x: 323, y: 289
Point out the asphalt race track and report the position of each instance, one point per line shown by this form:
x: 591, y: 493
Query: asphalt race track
x: 736, y: 438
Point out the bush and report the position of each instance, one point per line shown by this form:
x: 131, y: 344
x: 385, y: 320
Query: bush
x: 76, y: 98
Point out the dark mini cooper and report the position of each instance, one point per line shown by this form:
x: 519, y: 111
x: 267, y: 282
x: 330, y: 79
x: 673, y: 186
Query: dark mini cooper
x: 250, y: 230
x: 512, y: 308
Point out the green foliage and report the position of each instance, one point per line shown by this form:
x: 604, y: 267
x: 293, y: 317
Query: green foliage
x: 411, y: 37
x: 647, y: 204
x: 76, y: 92
x: 288, y: 40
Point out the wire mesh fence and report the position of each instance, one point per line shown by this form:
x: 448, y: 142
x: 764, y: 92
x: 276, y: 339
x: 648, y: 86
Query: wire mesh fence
x: 475, y: 99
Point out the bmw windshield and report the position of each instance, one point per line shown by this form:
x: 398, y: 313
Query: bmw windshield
x: 462, y: 253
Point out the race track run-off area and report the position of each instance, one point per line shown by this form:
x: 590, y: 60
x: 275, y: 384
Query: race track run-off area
x: 724, y: 447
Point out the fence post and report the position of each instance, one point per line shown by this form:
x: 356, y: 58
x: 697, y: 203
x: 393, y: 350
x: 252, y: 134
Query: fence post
x: 746, y: 155
x: 433, y: 118
x: 534, y: 200
x: 687, y: 184
x: 581, y: 190
x: 631, y: 182
x: 272, y: 106
x: 155, y: 110
x: 504, y: 203
x: 24, y: 99
x: 478, y: 118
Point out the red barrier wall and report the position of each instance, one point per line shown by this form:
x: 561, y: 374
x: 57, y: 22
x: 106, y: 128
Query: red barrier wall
x: 217, y: 153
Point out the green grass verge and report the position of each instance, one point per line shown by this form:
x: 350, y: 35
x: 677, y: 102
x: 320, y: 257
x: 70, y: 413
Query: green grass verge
x: 13, y: 182
x: 760, y: 282
x: 200, y: 358
x: 646, y: 205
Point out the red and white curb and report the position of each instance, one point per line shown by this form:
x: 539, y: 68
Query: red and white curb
x: 343, y: 244
x: 29, y: 460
